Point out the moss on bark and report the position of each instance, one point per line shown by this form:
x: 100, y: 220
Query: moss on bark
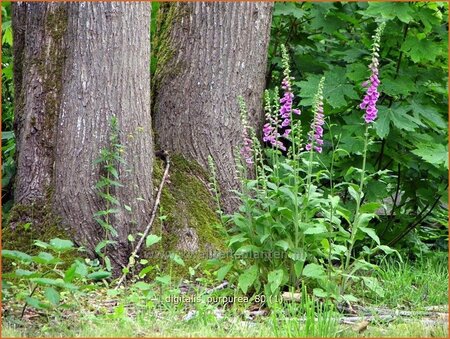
x: 188, y: 223
x: 27, y: 223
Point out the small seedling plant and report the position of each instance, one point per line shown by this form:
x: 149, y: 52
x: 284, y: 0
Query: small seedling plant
x: 293, y: 228
x: 110, y: 158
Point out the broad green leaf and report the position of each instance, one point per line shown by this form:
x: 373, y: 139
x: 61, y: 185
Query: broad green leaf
x: 99, y: 275
x: 247, y: 249
x: 45, y: 281
x: 420, y: 50
x: 287, y: 192
x: 314, y: 271
x: 282, y: 244
x: 152, y: 239
x: 69, y: 275
x: 431, y: 115
x: 355, y: 195
x: 41, y: 244
x: 334, y: 200
x: 371, y: 233
x: 145, y: 270
x: 288, y: 9
x: 52, y: 295
x: 390, y: 10
x: 398, y: 116
x: 177, y: 259
x: 222, y: 272
x: 382, y: 124
x: 350, y: 298
x: 61, y: 245
x: 165, y: 280
x: 81, y: 269
x: 317, y: 229
x: 320, y: 293
x: 36, y: 303
x: 275, y: 278
x: 237, y: 238
x: 16, y: 255
x: 363, y: 219
x: 395, y: 87
x: 46, y: 258
x: 25, y: 273
x: 435, y: 154
x: 298, y: 267
x: 142, y: 286
x: 370, y: 207
x: 373, y: 285
x: 247, y: 278
x: 388, y: 250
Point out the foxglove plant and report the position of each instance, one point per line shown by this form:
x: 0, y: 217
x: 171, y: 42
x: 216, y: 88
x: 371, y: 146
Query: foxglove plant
x: 368, y: 103
x: 283, y: 212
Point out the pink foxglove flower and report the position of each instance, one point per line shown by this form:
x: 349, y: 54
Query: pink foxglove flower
x: 370, y: 99
x: 315, y: 136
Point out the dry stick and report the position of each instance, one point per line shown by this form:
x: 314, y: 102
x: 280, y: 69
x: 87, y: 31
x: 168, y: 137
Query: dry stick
x: 147, y: 229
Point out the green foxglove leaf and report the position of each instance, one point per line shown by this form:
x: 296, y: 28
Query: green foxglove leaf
x: 165, y: 280
x: 314, y: 271
x: 247, y: 278
x: 282, y: 244
x: 371, y: 233
x: 222, y: 272
x: 275, y: 279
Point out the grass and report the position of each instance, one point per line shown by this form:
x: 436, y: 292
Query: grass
x: 413, y: 285
x: 407, y: 285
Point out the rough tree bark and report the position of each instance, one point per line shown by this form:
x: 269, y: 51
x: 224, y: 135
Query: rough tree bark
x: 209, y: 54
x: 76, y: 66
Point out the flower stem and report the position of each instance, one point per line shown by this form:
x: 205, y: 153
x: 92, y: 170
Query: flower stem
x: 358, y: 203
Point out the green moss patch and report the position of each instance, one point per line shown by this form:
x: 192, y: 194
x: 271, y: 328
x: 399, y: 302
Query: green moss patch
x: 188, y: 223
x: 27, y: 223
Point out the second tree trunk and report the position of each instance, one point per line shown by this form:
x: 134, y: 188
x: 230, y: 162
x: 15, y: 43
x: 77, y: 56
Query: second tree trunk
x: 209, y: 54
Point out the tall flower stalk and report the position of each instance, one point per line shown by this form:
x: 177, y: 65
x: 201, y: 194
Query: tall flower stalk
x: 369, y: 105
x: 316, y: 133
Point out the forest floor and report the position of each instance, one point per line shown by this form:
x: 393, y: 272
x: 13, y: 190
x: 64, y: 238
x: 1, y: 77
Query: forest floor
x: 415, y: 304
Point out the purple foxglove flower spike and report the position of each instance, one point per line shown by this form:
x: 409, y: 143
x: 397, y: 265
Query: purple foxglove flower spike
x: 370, y: 99
x: 316, y: 133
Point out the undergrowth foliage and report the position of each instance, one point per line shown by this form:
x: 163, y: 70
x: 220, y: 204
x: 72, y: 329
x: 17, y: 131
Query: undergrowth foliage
x: 49, y: 281
x: 410, y: 133
x: 291, y: 230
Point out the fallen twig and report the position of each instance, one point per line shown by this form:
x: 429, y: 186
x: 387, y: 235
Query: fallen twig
x: 217, y: 288
x: 152, y: 218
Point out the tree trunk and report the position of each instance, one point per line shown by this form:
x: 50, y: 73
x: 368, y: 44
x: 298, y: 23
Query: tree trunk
x: 80, y: 65
x: 209, y: 54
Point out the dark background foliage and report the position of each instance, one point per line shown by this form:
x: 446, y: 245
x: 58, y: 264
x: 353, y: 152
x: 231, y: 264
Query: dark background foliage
x: 334, y: 39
